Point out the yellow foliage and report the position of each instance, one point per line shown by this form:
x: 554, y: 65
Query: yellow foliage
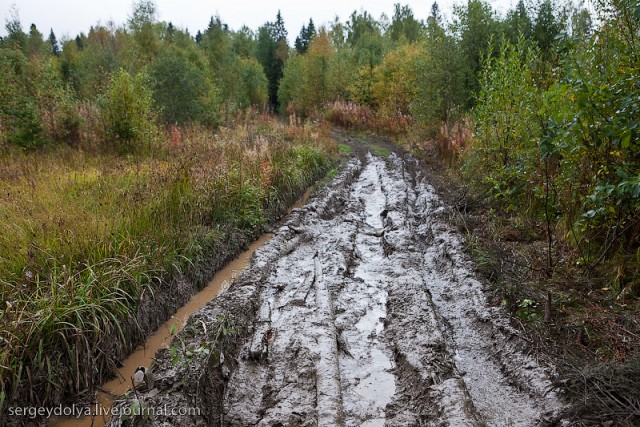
x: 395, y: 81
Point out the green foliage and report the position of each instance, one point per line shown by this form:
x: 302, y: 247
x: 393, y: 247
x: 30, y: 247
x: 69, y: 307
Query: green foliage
x: 594, y: 112
x: 549, y: 23
x: 142, y: 24
x: 292, y: 86
x: 88, y: 62
x: 127, y: 112
x: 272, y: 52
x: 475, y: 25
x: 53, y: 44
x: 566, y: 142
x: 440, y: 71
x: 307, y: 33
x: 306, y: 85
x: 36, y: 46
x: 16, y: 37
x: 254, y: 84
x: 505, y: 148
x: 20, y: 122
x: 404, y: 26
x: 181, y: 89
x: 395, y: 85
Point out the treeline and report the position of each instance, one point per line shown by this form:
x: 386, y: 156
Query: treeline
x: 116, y: 84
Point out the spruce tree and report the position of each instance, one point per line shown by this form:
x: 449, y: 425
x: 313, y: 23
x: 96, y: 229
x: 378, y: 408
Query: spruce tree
x: 53, y: 42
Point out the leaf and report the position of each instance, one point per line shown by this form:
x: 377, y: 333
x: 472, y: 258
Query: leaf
x: 626, y: 141
x: 589, y: 214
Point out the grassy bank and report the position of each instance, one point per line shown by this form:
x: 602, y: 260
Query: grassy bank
x: 86, y: 236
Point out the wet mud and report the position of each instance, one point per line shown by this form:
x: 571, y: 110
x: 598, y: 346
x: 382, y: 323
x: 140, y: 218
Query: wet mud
x: 362, y: 310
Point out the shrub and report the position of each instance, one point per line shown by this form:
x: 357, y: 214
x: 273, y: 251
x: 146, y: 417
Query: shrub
x: 127, y: 112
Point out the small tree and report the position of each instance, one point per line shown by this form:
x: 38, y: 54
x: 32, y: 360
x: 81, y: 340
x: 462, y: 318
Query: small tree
x: 20, y: 122
x: 178, y: 87
x: 508, y: 127
x: 127, y: 112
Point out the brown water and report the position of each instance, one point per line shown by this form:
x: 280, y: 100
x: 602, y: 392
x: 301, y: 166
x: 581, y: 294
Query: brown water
x: 161, y: 338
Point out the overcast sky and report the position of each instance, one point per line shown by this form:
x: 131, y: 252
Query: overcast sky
x: 70, y: 17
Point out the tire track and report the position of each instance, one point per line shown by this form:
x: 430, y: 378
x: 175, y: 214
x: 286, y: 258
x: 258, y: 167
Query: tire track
x: 367, y: 313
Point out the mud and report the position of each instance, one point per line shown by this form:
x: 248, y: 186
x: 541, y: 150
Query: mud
x: 362, y: 310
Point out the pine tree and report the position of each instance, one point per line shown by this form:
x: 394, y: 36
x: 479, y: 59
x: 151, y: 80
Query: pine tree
x: 404, y: 25
x: 79, y: 42
x: 299, y: 43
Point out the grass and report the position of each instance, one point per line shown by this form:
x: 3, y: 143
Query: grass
x: 84, y: 235
x: 380, y: 151
x: 344, y: 149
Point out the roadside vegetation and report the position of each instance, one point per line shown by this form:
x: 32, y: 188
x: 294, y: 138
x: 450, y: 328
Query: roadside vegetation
x: 127, y: 150
x: 128, y: 157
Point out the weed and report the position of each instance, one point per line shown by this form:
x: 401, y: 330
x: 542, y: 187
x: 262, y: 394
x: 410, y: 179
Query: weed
x: 332, y: 173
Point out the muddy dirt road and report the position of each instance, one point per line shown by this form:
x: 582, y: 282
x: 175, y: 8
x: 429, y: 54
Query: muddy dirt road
x: 361, y: 311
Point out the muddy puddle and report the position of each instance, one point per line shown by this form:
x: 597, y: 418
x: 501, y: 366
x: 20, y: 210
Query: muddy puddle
x: 161, y: 338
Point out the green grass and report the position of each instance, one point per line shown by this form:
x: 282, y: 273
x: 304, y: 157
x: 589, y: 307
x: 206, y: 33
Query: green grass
x: 83, y: 236
x: 344, y: 149
x: 332, y: 173
x: 380, y: 151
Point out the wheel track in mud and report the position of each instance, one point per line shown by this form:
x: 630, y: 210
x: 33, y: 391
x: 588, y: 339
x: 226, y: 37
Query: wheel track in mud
x: 364, y: 311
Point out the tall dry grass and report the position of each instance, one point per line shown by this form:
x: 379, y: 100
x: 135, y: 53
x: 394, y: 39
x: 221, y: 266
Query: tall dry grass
x: 85, y: 234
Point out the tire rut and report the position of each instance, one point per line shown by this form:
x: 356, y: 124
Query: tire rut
x: 366, y: 313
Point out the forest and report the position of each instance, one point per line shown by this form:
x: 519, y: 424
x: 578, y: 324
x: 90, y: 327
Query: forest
x: 133, y: 152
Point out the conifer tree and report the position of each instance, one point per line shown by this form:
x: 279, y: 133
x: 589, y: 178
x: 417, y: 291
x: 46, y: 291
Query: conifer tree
x: 53, y: 43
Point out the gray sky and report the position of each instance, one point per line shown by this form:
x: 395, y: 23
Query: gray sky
x: 70, y: 17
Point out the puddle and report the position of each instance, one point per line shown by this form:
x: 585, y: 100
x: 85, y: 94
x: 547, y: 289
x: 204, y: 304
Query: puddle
x: 379, y: 385
x: 161, y: 338
x: 300, y: 203
x: 377, y: 422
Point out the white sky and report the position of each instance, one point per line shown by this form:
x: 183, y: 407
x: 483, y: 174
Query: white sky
x: 70, y: 17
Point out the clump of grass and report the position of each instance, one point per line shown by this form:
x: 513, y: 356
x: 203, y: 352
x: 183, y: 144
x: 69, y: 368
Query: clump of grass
x: 85, y: 235
x: 344, y: 149
x: 380, y: 151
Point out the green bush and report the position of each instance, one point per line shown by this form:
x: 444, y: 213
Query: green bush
x: 505, y: 150
x: 181, y: 89
x: 127, y: 112
x: 19, y: 116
